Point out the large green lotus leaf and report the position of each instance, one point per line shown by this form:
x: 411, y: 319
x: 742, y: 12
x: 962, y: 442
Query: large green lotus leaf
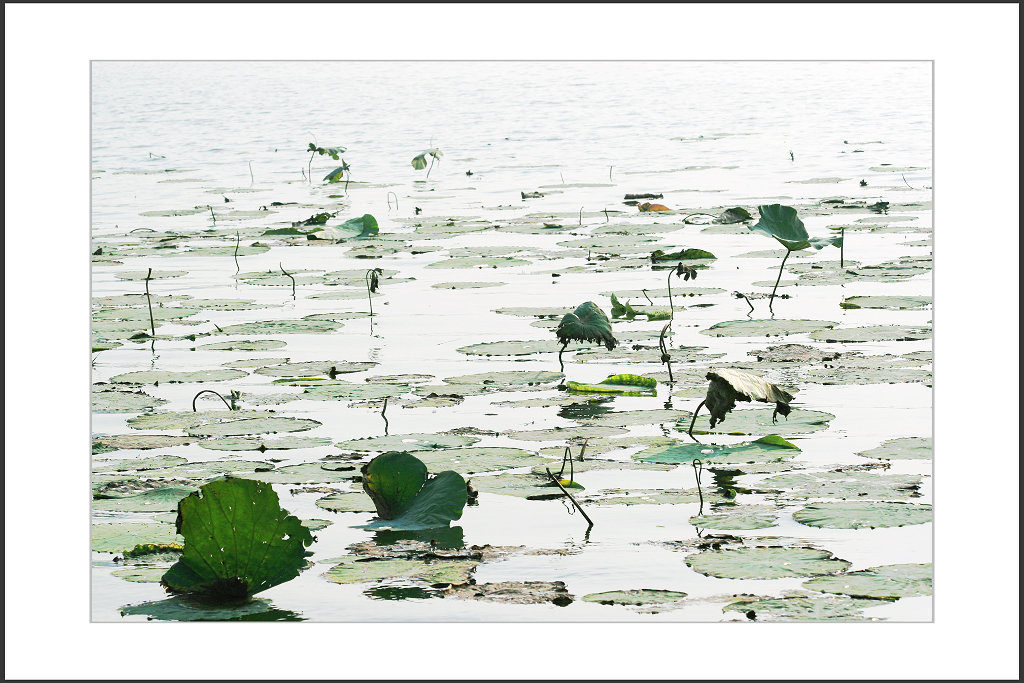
x: 566, y: 433
x: 638, y: 596
x: 740, y: 518
x: 139, y: 441
x: 142, y: 314
x: 782, y: 223
x: 766, y: 563
x: 439, y: 502
x: 756, y: 421
x: 351, y: 391
x: 308, y: 473
x: 765, y: 328
x: 157, y: 500
x: 769, y: 448
x: 116, y: 538
x: 284, y: 327
x: 892, y: 303
x: 119, y: 401
x: 845, y: 485
x: 907, y: 448
x: 314, y: 368
x: 239, y: 541
x: 255, y: 425
x: 353, y: 501
x: 183, y: 419
x: 407, y: 442
x: 360, y: 570
x: 887, y: 582
x: 587, y: 323
x: 392, y: 480
x: 799, y: 608
x: 169, y: 377
x: 480, y: 459
x: 182, y: 608
x: 872, y: 333
x: 863, y: 514
x: 509, y: 378
x: 255, y: 443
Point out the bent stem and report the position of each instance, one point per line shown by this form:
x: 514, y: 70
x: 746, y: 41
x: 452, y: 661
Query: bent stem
x: 698, y: 466
x: 209, y: 391
x: 149, y: 302
x: 567, y: 456
x: 238, y: 241
x: 389, y: 200
x: 665, y: 357
x: 690, y: 431
x: 561, y: 365
x: 382, y: 411
x: 290, y: 277
x: 671, y: 306
x: 778, y: 280
x: 310, y: 166
x: 432, y: 157
x: 569, y: 496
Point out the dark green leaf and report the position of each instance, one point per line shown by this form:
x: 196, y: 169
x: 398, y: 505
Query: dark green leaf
x: 392, y: 480
x: 587, y: 323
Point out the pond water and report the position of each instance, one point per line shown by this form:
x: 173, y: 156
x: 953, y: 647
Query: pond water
x: 191, y: 160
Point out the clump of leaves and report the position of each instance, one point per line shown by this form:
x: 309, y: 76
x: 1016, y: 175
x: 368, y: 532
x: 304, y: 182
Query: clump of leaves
x: 620, y: 309
x: 406, y: 497
x: 239, y: 541
x: 339, y: 174
x: 419, y: 162
x: 332, y: 152
x: 728, y: 386
x: 316, y: 219
x: 736, y: 214
x: 781, y: 222
x: 587, y: 323
x: 683, y: 254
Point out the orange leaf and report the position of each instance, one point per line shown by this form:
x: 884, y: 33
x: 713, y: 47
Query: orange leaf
x: 647, y: 206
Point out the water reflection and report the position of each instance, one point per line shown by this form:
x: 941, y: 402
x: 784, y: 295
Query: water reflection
x: 182, y: 608
x: 450, y: 538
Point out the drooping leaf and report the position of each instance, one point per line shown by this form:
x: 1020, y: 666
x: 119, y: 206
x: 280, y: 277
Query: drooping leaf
x: 361, y: 227
x: 781, y: 222
x: 392, y: 480
x: 338, y: 174
x: 238, y: 541
x: 620, y: 309
x: 587, y: 323
x: 419, y: 162
x: 728, y: 386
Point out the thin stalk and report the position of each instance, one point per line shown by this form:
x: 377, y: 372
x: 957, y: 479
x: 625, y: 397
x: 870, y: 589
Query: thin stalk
x: 664, y: 352
x: 252, y: 178
x: 567, y: 456
x: 238, y: 241
x: 644, y: 292
x: 389, y: 200
x: 606, y: 215
x: 369, y: 295
x: 213, y: 215
x: 842, y: 245
x: 209, y: 391
x: 610, y: 172
x: 671, y: 306
x: 583, y: 448
x: 152, y: 325
x: 777, y: 281
x: 744, y: 297
x: 581, y: 215
x: 561, y: 365
x: 290, y: 276
x: 698, y: 466
x: 431, y: 167
x: 310, y: 166
x: 690, y: 431
x: 382, y: 411
x: 569, y: 496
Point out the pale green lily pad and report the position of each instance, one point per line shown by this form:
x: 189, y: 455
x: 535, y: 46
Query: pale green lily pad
x: 479, y: 459
x: 591, y: 465
x: 228, y: 304
x: 155, y: 275
x: 246, y: 345
x: 316, y: 524
x: 739, y: 518
x: 908, y: 448
x: 767, y: 449
x: 534, y: 311
x: 407, y: 442
x: 352, y: 391
x: 157, y: 500
x: 254, y: 362
x: 400, y: 379
x: 142, y: 314
x: 241, y: 443
x: 765, y: 328
x: 639, y: 596
x: 211, y: 468
x: 139, y: 464
x: 678, y: 292
x: 175, y: 212
x: 479, y: 262
x: 887, y: 582
x: 116, y: 538
x: 139, y: 441
x: 847, y: 373
x: 183, y: 419
x: 284, y: 327
x: 308, y: 473
x: 356, y: 570
x: 135, y: 300
x: 873, y: 333
x: 509, y: 378
x: 140, y: 574
x: 466, y: 285
x: 628, y: 418
x: 519, y: 485
x: 225, y: 250
x: 343, y: 294
x: 314, y: 368
x: 892, y: 303
x: 759, y: 421
x: 513, y: 348
x: 863, y: 514
x: 565, y: 433
x: 766, y: 563
x: 654, y: 497
x: 798, y: 608
x: 853, y: 485
x: 254, y: 425
x: 355, y: 501
x: 116, y: 401
x: 170, y: 377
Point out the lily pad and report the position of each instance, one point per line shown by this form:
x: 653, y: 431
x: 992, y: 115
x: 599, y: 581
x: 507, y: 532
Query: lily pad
x: 256, y: 425
x: 770, y: 448
x: 119, y: 401
x: 154, y: 275
x: 142, y: 314
x: 639, y: 596
x: 514, y: 592
x: 766, y: 563
x: 210, y: 468
x: 139, y: 464
x: 873, y: 333
x: 354, y: 501
x: 183, y: 419
x: 853, y: 485
x: 887, y: 582
x: 565, y: 433
x: 740, y: 518
x: 242, y: 443
x: 480, y: 459
x: 407, y: 442
x: 157, y: 500
x: 314, y: 368
x: 140, y: 574
x: 892, y: 303
x: 628, y: 418
x: 351, y: 391
x: 246, y: 345
x: 169, y: 377
x: 796, y: 608
x: 863, y: 514
x: 140, y: 441
x: 624, y: 385
x: 306, y: 473
x: 765, y: 328
x: 479, y: 262
x: 908, y: 448
x: 511, y: 348
x: 284, y: 327
x: 116, y: 538
x: 509, y: 378
x: 362, y: 570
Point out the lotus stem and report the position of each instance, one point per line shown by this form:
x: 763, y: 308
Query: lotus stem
x: 744, y: 297
x: 664, y: 352
x: 698, y: 466
x: 213, y: 215
x: 690, y: 431
x: 567, y: 456
x: 149, y: 302
x: 671, y: 306
x: 561, y: 365
x: 610, y: 172
x: 431, y: 166
x: 842, y: 246
x: 382, y: 411
x: 238, y: 241
x: 389, y: 200
x: 209, y: 391
x: 369, y: 294
x: 290, y: 276
x: 583, y: 448
x: 606, y: 215
x: 310, y: 176
x: 644, y: 292
x: 568, y: 495
x: 777, y: 281
x: 581, y: 215
x: 252, y: 178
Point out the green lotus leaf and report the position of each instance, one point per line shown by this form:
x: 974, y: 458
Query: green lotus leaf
x: 872, y: 333
x: 863, y: 514
x: 799, y: 608
x: 392, y: 480
x: 476, y: 459
x: 354, y: 569
x: 351, y: 501
x: 116, y: 538
x: 587, y: 323
x: 307, y: 473
x: 255, y: 443
x: 893, y: 303
x: 887, y: 582
x: 640, y: 596
x: 908, y: 448
x: 627, y: 385
x: 169, y: 377
x: 239, y: 541
x: 766, y: 563
x: 765, y: 328
x: 853, y: 485
x: 279, y: 327
x: 157, y: 500
x: 407, y: 442
x: 741, y: 518
x: 256, y: 425
x: 781, y: 222
x: 440, y: 501
x: 119, y: 401
x: 361, y: 227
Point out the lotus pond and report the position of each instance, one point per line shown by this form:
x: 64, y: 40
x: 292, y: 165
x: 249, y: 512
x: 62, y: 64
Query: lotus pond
x: 529, y: 263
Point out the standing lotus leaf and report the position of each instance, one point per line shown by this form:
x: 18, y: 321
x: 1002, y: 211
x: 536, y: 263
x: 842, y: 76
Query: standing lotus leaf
x: 728, y: 386
x: 238, y: 541
x: 406, y: 498
x: 587, y: 323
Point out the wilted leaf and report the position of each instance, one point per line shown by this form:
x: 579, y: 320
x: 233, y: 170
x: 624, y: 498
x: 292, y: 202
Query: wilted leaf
x: 781, y: 222
x: 728, y: 386
x: 587, y: 323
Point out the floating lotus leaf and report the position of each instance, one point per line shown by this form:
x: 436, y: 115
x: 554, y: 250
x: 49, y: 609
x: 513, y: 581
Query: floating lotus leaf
x: 849, y: 373
x: 404, y: 496
x: 361, y: 570
x: 142, y: 314
x: 154, y: 275
x: 854, y: 485
x: 284, y: 327
x: 765, y: 328
x: 157, y: 500
x: 519, y: 485
x: 887, y: 582
x: 140, y: 574
x: 740, y: 518
x: 587, y: 323
x: 892, y: 303
x: 242, y: 443
x: 592, y: 465
x: 183, y: 419
x: 511, y: 348
x: 766, y: 563
x: 137, y: 299
x: 514, y: 592
x: 479, y: 262
x: 863, y: 514
x: 770, y: 448
x: 565, y: 433
x: 176, y: 212
x: 781, y: 222
x: 119, y: 401
x: 182, y: 608
x: 139, y: 464
x: 534, y: 311
x: 254, y: 363
x: 407, y: 442
x: 210, y: 468
x: 169, y: 377
x: 139, y: 441
x: 351, y: 391
x: 628, y: 418
x: 255, y: 425
x: 872, y: 333
x: 245, y: 345
x: 818, y: 608
x: 793, y: 353
x: 654, y: 497
x: 400, y: 379
x: 662, y: 293
x: 314, y: 368
x: 307, y: 473
x: 639, y: 596
x: 480, y: 459
x: 341, y: 294
x: 355, y: 501
x: 116, y: 538
x: 907, y: 448
x: 625, y: 385
x: 466, y: 285
x: 238, y: 541
x: 509, y: 378
x: 742, y: 422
